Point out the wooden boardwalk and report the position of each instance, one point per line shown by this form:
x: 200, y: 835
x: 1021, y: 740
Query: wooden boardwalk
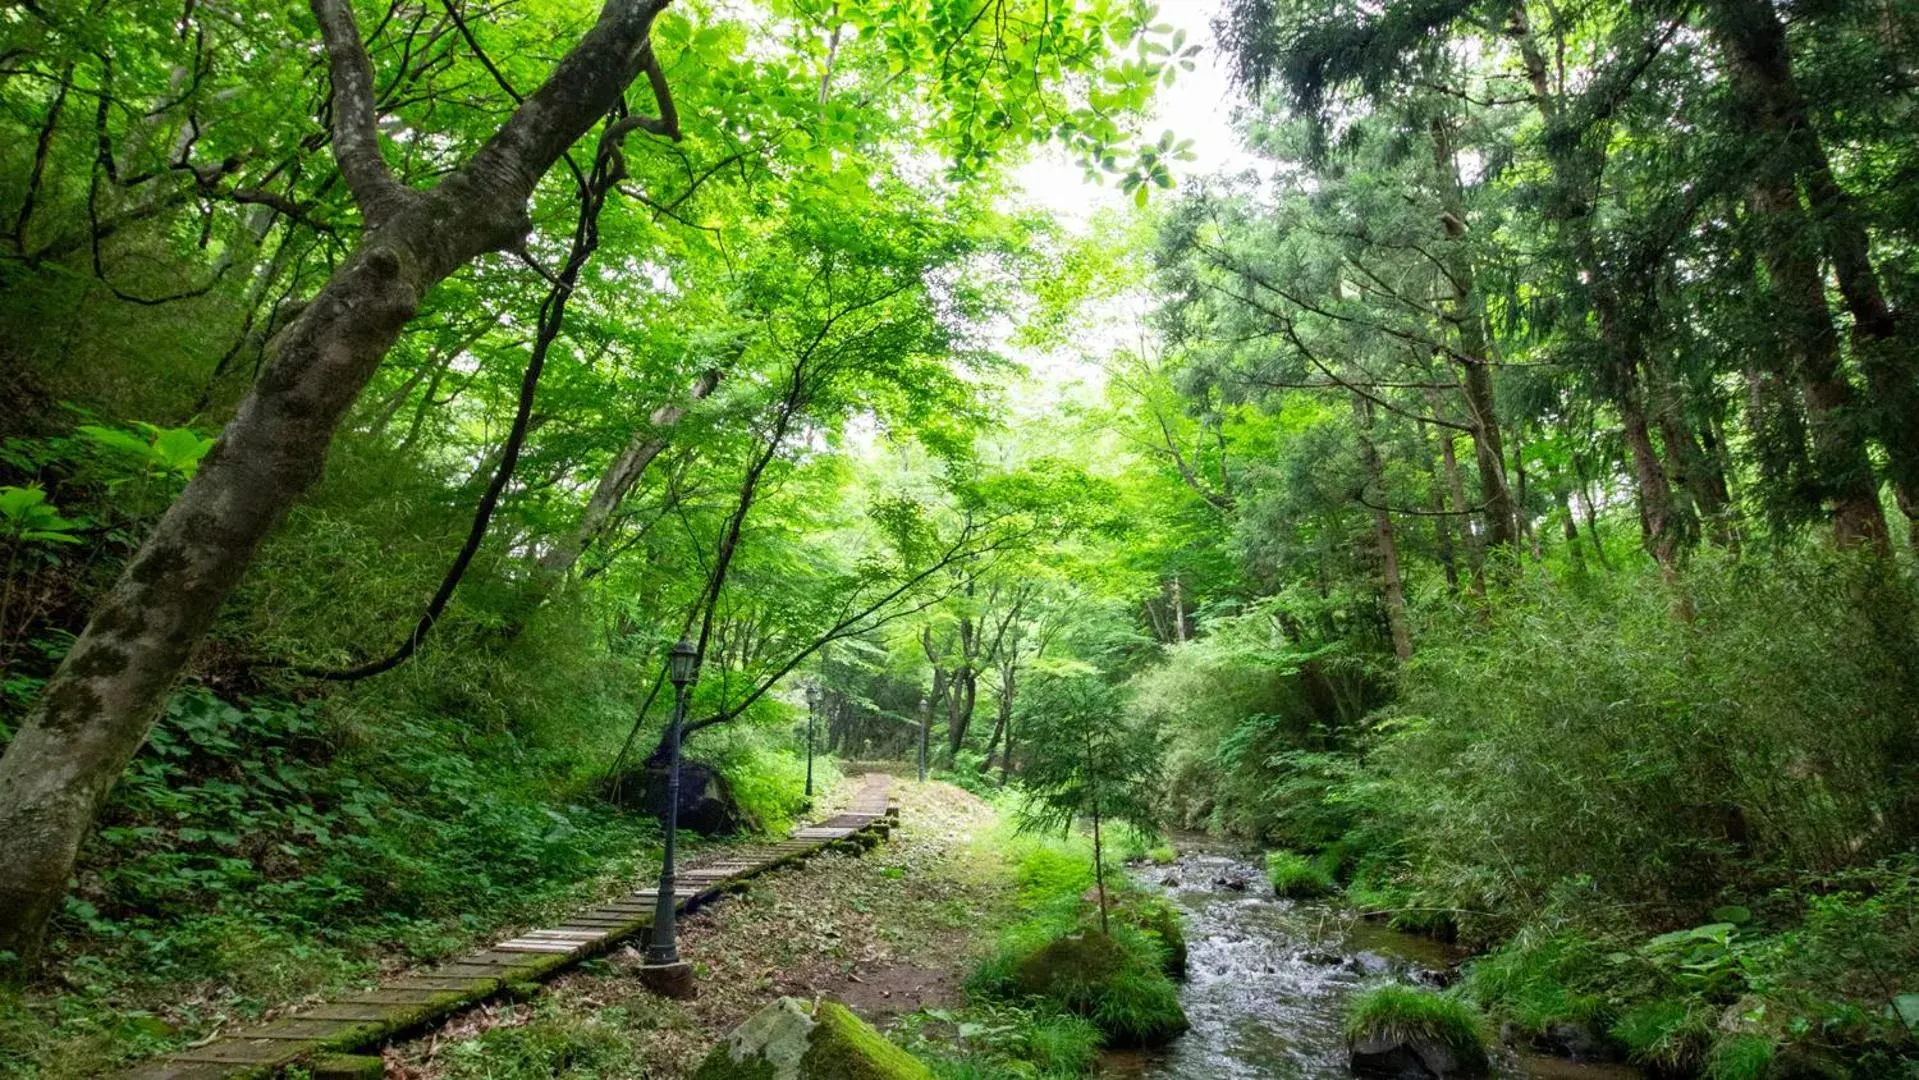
x: 418, y: 999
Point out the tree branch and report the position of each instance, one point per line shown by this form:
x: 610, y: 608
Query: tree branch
x: 356, y: 139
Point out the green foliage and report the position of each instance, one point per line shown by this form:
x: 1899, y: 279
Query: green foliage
x: 1797, y: 672
x: 29, y: 519
x: 1398, y: 1010
x: 993, y: 1039
x: 1297, y: 876
x: 1085, y: 758
x: 170, y: 452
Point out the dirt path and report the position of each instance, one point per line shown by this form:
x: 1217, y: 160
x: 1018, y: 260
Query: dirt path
x: 888, y: 933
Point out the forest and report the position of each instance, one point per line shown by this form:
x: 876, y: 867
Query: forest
x: 1488, y: 488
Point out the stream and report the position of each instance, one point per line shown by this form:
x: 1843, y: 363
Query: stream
x: 1267, y: 979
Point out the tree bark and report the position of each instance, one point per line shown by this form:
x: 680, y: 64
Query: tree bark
x: 1759, y: 58
x: 1391, y: 587
x: 1468, y: 319
x: 1809, y: 352
x: 96, y: 710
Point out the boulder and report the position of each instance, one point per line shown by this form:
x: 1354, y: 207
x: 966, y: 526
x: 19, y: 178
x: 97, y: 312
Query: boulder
x: 1069, y: 965
x: 801, y: 1040
x: 1579, y: 1040
x: 707, y: 804
x: 1395, y: 1055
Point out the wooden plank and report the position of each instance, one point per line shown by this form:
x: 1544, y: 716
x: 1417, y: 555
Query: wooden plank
x: 301, y: 1029
x: 341, y: 1011
x: 455, y: 984
x: 255, y: 1052
x: 428, y: 982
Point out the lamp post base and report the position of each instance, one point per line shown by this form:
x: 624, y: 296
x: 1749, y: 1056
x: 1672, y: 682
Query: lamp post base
x: 673, y: 980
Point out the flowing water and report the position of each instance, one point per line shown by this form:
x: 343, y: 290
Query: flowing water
x: 1267, y: 978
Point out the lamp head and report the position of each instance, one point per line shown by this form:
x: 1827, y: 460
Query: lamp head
x: 681, y: 660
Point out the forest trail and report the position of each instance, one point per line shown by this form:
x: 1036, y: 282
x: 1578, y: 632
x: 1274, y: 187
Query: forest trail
x: 417, y: 999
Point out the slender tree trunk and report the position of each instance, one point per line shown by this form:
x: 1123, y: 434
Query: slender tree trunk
x: 1393, y: 591
x: 1179, y: 612
x: 1442, y: 521
x: 608, y: 495
x: 1468, y: 319
x: 1573, y: 551
x: 95, y: 711
x: 1099, y: 872
x: 1474, y: 562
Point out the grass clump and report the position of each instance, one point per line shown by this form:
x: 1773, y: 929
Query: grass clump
x: 1673, y: 1033
x: 1538, y: 980
x: 1398, y: 1011
x: 1161, y: 921
x: 1163, y: 855
x: 1297, y: 876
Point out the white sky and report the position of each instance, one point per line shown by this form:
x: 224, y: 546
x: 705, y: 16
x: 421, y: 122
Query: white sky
x: 1198, y: 106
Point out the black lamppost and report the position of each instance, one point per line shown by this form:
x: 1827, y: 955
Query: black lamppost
x: 926, y: 725
x: 663, y: 948
x: 812, y: 707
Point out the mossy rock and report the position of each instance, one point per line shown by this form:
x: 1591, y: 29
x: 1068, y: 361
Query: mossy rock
x: 1092, y: 974
x: 1070, y: 965
x: 798, y: 1040
x: 1396, y: 1031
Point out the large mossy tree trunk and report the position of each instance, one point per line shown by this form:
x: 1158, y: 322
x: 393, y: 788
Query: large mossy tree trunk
x: 96, y: 710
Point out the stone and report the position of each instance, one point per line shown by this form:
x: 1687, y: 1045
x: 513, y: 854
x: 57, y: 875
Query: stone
x: 800, y: 1040
x: 1578, y: 1040
x: 670, y: 980
x: 1395, y: 1055
x: 348, y: 1067
x: 707, y: 803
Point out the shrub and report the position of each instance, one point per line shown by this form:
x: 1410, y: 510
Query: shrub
x: 1163, y: 855
x: 1395, y: 1010
x: 1296, y: 875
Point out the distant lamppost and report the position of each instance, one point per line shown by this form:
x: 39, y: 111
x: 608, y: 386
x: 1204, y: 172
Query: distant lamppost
x: 926, y: 725
x: 812, y: 707
x: 664, y: 949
